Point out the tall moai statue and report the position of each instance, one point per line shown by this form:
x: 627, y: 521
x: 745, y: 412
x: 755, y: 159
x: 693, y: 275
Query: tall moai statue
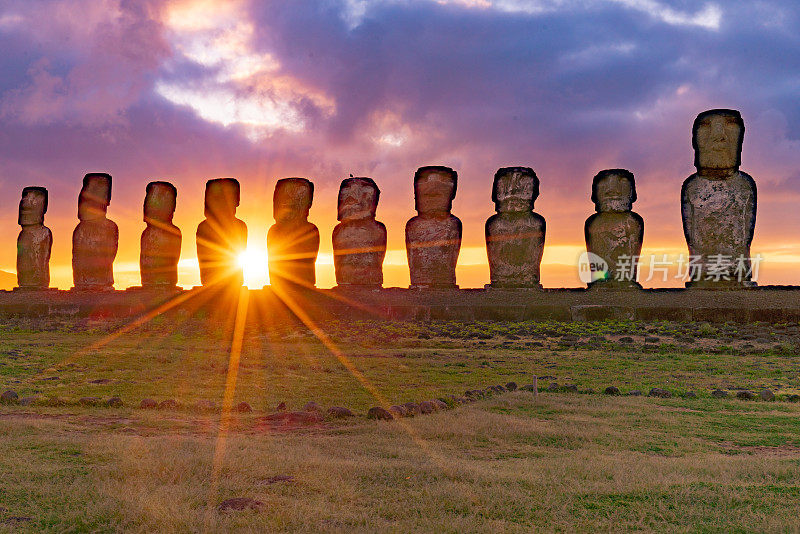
x: 292, y: 242
x: 161, y: 240
x: 34, y: 241
x: 221, y: 237
x: 433, y: 238
x: 95, y: 239
x: 359, y: 241
x: 718, y: 203
x: 515, y: 234
x: 615, y: 233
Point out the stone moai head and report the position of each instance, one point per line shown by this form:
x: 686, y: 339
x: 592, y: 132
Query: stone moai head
x: 95, y: 196
x: 515, y: 189
x: 717, y: 136
x: 613, y: 190
x: 32, y: 206
x: 222, y: 198
x: 434, y: 189
x: 159, y: 202
x: 292, y: 199
x: 358, y: 199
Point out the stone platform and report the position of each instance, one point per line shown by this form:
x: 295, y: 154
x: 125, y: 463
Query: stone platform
x: 775, y: 304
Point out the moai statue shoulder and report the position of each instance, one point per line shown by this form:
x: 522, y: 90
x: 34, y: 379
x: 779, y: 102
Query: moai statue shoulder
x: 433, y: 237
x: 161, y: 239
x: 515, y: 234
x: 359, y: 241
x: 34, y: 241
x: 293, y: 241
x: 95, y: 239
x: 615, y: 233
x: 718, y: 204
x: 221, y: 237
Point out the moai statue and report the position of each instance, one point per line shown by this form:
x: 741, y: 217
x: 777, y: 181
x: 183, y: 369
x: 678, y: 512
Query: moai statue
x: 95, y: 239
x: 221, y: 237
x: 292, y: 242
x: 515, y: 234
x: 359, y: 241
x: 161, y: 240
x: 615, y: 232
x: 433, y: 238
x: 34, y: 241
x: 718, y: 203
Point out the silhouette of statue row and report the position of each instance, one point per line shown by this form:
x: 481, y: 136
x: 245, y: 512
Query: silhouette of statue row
x: 718, y: 207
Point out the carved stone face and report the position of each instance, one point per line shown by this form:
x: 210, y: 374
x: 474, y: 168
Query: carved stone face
x: 292, y: 199
x: 222, y: 198
x: 159, y: 202
x: 515, y: 190
x: 358, y: 199
x: 94, y: 197
x: 614, y: 193
x: 434, y: 191
x: 718, y: 141
x: 32, y: 206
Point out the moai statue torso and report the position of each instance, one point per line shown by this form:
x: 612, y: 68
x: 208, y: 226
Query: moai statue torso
x: 34, y: 241
x: 718, y: 203
x: 615, y: 233
x: 161, y: 240
x: 221, y: 237
x: 292, y: 242
x: 95, y: 239
x: 359, y: 241
x: 515, y: 235
x: 433, y: 238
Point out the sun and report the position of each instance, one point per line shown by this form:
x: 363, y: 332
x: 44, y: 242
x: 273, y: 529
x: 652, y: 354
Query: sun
x: 254, y: 262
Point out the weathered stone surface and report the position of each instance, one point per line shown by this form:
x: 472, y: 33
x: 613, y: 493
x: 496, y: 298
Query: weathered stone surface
x: 767, y: 395
x: 440, y: 404
x: 292, y: 242
x: 413, y: 409
x: 515, y: 234
x: 719, y: 394
x: 239, y: 504
x: 243, y: 407
x: 221, y: 237
x: 376, y: 412
x: 433, y: 237
x: 745, y: 395
x: 169, y: 404
x: 659, y: 392
x: 426, y: 407
x: 312, y: 406
x: 89, y: 401
x: 34, y: 241
x: 95, y: 239
x: 148, y: 404
x: 359, y: 241
x: 615, y: 233
x: 635, y: 393
x: 718, y: 203
x: 9, y: 397
x: 612, y: 390
x: 690, y: 395
x: 398, y: 411
x: 114, y: 402
x: 339, y: 412
x: 161, y: 240
x: 511, y: 386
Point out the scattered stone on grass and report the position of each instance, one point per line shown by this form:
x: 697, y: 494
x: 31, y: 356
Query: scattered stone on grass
x: 168, y: 404
x: 89, y: 401
x: 719, y: 394
x: 312, y: 406
x: 552, y: 386
x: 427, y: 407
x: 101, y: 381
x: 635, y: 393
x: 745, y: 395
x: 511, y: 386
x: 794, y: 397
x: 442, y: 405
x: 612, y: 390
x: 55, y: 401
x: 398, y: 411
x: 570, y: 388
x: 690, y: 395
x: 413, y: 409
x: 587, y: 391
x: 243, y: 407
x: 767, y: 395
x: 27, y: 401
x: 148, y: 404
x: 9, y: 397
x: 338, y: 412
x: 114, y: 402
x: 239, y: 504
x: 659, y: 392
x: 378, y: 413
x: 295, y: 418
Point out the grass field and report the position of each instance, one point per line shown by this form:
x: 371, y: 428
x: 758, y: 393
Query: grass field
x: 558, y: 461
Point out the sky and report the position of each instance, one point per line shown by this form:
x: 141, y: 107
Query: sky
x: 189, y: 90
